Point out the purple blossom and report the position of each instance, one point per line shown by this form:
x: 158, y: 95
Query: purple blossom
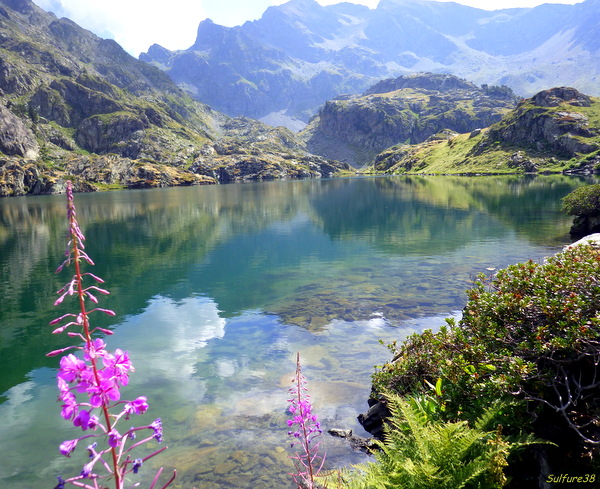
x: 137, y: 463
x: 114, y: 437
x: 104, y: 393
x: 69, y: 406
x: 118, y: 365
x: 137, y: 406
x: 71, y: 368
x: 67, y: 447
x: 96, y: 348
x: 158, y: 430
x: 85, y: 420
x: 92, y: 449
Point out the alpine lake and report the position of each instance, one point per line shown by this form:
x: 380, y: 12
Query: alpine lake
x: 217, y: 287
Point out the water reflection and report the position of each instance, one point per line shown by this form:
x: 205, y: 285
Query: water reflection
x: 217, y: 287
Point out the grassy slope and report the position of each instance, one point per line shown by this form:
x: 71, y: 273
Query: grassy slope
x: 459, y: 155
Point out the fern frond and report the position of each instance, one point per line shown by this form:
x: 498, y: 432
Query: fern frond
x: 420, y: 453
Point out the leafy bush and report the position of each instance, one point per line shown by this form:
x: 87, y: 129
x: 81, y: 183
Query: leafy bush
x: 530, y: 333
x: 583, y: 201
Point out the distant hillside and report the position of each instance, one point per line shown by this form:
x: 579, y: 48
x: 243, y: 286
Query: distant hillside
x: 556, y: 130
x: 284, y: 66
x: 75, y: 106
x: 408, y: 109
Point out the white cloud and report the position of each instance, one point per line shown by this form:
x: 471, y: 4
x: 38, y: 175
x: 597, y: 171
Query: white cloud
x: 134, y: 24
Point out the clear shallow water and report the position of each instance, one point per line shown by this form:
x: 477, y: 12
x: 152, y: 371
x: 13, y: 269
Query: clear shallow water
x: 216, y: 288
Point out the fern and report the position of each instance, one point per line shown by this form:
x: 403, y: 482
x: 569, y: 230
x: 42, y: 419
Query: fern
x: 419, y: 453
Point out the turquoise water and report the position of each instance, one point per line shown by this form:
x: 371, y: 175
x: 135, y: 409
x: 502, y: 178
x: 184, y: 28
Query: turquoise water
x: 217, y: 288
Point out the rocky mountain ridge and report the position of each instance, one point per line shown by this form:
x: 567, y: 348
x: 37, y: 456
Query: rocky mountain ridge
x: 75, y: 106
x: 556, y: 130
x: 300, y: 54
x: 408, y: 109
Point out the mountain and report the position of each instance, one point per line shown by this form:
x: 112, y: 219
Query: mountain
x: 556, y: 130
x: 75, y: 106
x: 284, y: 66
x: 407, y: 109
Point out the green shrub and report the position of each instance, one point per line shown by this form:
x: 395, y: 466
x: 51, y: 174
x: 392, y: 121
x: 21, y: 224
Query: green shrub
x: 583, y: 201
x: 529, y: 333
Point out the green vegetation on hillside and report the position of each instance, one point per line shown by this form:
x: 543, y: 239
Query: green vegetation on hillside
x: 556, y: 130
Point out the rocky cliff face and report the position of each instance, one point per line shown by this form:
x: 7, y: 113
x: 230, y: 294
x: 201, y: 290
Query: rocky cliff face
x: 408, y: 109
x: 556, y: 130
x: 551, y: 121
x: 15, y: 137
x: 68, y: 96
x: 301, y: 54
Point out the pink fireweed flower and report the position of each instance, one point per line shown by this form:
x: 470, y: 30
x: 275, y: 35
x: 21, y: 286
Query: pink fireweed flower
x: 118, y: 365
x: 69, y: 408
x: 86, y: 471
x: 71, y: 368
x: 97, y: 375
x: 104, y: 393
x: 307, y: 460
x: 137, y: 406
x: 94, y: 349
x: 114, y: 437
x: 85, y: 420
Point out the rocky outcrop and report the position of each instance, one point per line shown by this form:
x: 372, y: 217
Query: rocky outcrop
x: 551, y: 121
x: 231, y: 163
x: 89, y: 174
x: 408, y: 109
x: 121, y: 133
x: 15, y: 137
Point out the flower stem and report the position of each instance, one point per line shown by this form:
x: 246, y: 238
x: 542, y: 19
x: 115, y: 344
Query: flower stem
x: 88, y: 340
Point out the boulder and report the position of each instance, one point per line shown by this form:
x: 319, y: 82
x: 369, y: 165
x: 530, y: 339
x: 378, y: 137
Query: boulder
x: 373, y: 419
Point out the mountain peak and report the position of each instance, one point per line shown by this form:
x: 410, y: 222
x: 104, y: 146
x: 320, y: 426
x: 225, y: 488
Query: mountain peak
x: 22, y: 6
x: 300, y: 54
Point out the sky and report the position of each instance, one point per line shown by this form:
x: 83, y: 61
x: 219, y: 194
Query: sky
x: 137, y: 24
